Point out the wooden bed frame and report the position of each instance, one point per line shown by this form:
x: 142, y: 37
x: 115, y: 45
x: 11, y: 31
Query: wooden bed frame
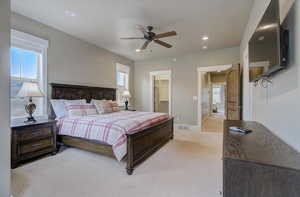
x: 140, y: 145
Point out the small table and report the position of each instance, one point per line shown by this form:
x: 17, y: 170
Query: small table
x: 30, y: 140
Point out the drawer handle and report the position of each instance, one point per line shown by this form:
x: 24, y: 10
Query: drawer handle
x: 36, y: 145
x: 37, y: 133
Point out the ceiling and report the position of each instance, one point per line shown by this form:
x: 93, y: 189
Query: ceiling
x: 103, y: 22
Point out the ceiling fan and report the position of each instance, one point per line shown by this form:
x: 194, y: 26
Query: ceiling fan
x: 150, y: 36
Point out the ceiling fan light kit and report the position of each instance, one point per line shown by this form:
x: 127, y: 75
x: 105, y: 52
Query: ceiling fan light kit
x: 150, y: 36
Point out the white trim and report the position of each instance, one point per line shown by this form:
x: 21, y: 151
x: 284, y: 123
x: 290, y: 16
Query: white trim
x: 248, y: 87
x: 151, y: 75
x: 204, y: 70
x: 39, y: 45
x: 28, y: 40
x: 214, y: 68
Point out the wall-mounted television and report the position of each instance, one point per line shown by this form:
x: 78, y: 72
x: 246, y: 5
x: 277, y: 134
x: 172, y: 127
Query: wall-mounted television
x: 268, y: 47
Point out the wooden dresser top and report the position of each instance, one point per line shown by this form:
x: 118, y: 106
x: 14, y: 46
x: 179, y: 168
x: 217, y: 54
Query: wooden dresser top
x: 17, y: 123
x: 260, y: 146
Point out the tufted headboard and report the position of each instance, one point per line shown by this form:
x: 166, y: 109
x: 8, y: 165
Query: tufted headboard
x: 72, y: 92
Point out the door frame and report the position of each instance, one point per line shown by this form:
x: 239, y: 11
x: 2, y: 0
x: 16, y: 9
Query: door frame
x: 202, y: 70
x: 155, y: 73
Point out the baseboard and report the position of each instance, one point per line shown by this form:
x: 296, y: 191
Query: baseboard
x: 186, y: 126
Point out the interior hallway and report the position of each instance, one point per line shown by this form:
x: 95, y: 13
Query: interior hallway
x: 213, y: 123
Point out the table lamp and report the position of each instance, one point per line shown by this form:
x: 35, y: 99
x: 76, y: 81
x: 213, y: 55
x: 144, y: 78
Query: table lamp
x: 126, y: 94
x: 30, y: 89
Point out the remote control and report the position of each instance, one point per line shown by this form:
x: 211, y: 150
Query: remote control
x: 240, y: 130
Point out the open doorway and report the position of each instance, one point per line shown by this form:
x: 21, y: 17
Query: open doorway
x: 160, y: 91
x: 214, y: 116
x: 217, y: 96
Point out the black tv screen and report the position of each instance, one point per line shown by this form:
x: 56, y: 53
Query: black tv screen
x: 265, y: 50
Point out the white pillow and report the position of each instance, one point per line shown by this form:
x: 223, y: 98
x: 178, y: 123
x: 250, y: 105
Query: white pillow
x: 80, y: 110
x: 58, y: 106
x: 102, y: 106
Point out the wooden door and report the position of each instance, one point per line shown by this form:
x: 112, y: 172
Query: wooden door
x: 233, y: 93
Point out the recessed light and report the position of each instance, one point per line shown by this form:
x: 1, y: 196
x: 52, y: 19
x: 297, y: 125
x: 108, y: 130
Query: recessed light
x: 204, y: 47
x: 205, y: 38
x: 138, y: 50
x: 70, y: 13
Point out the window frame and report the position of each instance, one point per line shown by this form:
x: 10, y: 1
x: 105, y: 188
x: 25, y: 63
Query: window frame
x: 122, y: 69
x: 29, y: 42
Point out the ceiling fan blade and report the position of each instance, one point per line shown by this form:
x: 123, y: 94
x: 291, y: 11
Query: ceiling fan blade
x: 167, y: 34
x: 142, y: 29
x: 133, y: 38
x: 145, y: 45
x: 163, y: 43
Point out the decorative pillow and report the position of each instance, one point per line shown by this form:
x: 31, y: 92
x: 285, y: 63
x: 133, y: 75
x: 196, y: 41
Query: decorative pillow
x: 115, y: 109
x: 103, y: 106
x: 81, y: 110
x: 58, y: 106
x: 114, y: 104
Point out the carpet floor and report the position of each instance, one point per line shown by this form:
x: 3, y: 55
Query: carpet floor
x: 188, y: 166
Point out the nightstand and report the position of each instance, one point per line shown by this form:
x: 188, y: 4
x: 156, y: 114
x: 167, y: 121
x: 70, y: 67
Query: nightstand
x: 30, y: 140
x: 130, y: 110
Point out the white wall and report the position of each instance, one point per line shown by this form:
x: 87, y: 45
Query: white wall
x: 277, y: 107
x: 4, y: 99
x: 71, y: 60
x: 184, y: 79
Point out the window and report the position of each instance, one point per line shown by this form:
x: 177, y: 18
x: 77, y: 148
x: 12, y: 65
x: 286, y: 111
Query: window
x: 28, y: 64
x: 216, y: 94
x: 122, y: 78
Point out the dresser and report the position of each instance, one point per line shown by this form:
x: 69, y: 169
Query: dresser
x: 29, y: 141
x: 258, y: 164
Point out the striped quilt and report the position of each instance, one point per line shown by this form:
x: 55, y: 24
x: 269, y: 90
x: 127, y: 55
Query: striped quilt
x: 109, y: 128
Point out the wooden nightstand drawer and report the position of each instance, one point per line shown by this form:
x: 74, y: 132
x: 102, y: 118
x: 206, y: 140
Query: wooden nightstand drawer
x: 31, y: 140
x: 35, y: 146
x: 35, y: 133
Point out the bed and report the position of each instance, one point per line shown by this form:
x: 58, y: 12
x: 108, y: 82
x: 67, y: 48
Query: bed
x: 141, y: 143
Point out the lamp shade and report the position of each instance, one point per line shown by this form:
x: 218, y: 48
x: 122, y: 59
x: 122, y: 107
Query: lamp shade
x: 126, y: 94
x: 30, y: 89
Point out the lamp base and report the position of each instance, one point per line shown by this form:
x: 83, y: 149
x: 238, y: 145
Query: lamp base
x: 30, y: 119
x: 30, y: 109
x: 126, y: 105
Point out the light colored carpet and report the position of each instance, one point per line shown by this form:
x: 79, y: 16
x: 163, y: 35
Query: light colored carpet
x: 188, y: 166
